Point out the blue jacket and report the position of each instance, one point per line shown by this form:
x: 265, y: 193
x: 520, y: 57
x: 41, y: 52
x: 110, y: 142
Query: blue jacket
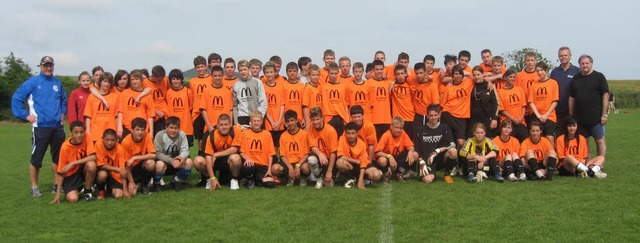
x: 46, y: 99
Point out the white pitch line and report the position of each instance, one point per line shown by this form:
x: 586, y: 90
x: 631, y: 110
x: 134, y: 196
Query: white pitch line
x: 386, y: 223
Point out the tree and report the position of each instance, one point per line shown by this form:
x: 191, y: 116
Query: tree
x: 515, y: 59
x: 13, y: 72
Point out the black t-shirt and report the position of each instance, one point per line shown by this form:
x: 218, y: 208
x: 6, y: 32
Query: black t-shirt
x: 484, y: 105
x: 587, y: 91
x: 427, y: 140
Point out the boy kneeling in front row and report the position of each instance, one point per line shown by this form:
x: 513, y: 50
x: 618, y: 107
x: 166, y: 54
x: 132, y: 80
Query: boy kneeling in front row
x: 353, y: 158
x: 76, y: 165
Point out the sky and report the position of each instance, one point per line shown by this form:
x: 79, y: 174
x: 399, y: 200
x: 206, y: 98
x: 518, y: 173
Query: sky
x: 118, y: 34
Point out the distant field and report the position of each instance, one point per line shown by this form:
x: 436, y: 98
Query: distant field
x: 566, y: 209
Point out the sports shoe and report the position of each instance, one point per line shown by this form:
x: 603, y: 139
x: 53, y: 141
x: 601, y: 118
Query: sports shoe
x: 290, y: 182
x: 448, y: 179
x: 539, y: 174
x: 277, y: 180
x: 35, y: 192
x: 583, y: 174
x: 522, y: 177
x: 204, y: 182
x: 387, y: 177
x: 454, y: 171
x: 349, y: 183
x: 145, y: 190
x: 512, y: 177
x: 162, y: 181
x: 312, y: 178
x: 499, y: 177
x: 234, y: 184
x: 367, y: 182
x: 319, y: 184
x: 175, y: 185
x: 303, y: 181
x: 53, y: 189
x: 157, y: 187
x: 471, y: 177
x: 251, y: 183
x: 207, y: 186
x: 102, y: 194
x: 600, y: 175
x: 88, y: 196
x: 409, y: 174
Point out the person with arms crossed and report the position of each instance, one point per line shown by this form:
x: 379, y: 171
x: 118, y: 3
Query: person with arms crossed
x: 47, y: 103
x: 78, y: 98
x: 311, y: 96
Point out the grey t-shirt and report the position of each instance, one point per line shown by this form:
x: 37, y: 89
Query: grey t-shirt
x: 168, y: 148
x: 248, y: 96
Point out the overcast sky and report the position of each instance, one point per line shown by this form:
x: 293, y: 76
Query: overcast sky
x: 116, y: 34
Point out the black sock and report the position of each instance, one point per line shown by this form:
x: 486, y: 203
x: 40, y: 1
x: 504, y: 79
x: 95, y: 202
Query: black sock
x: 508, y: 167
x: 533, y: 164
x: 519, y: 166
x: 551, y: 167
x: 471, y: 167
x: 449, y: 164
x: 493, y: 166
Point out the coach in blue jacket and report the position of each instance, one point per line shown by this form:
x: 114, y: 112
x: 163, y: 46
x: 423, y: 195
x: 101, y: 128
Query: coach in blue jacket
x: 47, y: 103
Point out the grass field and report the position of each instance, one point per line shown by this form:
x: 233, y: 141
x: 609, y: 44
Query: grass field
x: 565, y: 209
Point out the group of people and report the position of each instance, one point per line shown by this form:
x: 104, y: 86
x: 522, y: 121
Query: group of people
x: 352, y: 122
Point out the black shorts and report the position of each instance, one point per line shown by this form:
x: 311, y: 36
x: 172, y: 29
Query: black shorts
x: 438, y: 162
x: 113, y: 184
x: 520, y: 132
x: 256, y: 172
x: 458, y: 125
x: 74, y: 182
x: 548, y: 128
x: 198, y: 127
x: 243, y: 120
x: 381, y: 129
x: 140, y: 174
x: 418, y: 121
x: 205, y: 139
x: 158, y: 126
x: 170, y: 169
x: 564, y: 172
x: 41, y: 137
x: 275, y: 135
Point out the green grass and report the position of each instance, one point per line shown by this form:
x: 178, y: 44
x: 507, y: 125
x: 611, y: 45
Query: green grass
x: 565, y: 209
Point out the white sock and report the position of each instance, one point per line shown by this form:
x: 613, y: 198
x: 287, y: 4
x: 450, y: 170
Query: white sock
x: 582, y: 167
x: 595, y: 168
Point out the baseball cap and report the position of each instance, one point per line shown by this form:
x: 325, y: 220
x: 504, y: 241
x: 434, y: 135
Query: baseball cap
x: 46, y: 60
